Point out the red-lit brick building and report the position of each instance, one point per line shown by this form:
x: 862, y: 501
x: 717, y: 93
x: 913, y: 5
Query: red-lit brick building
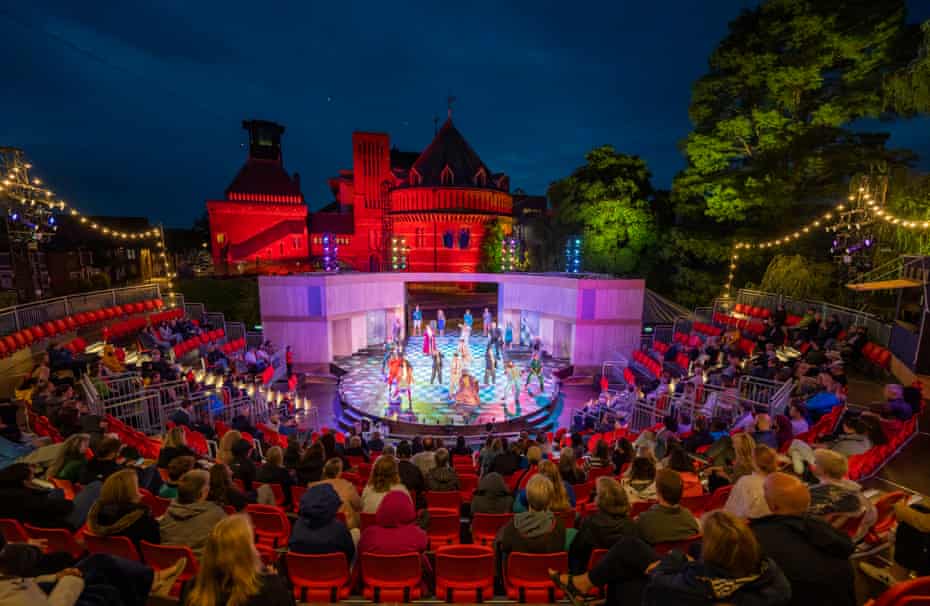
x: 262, y: 221
x: 438, y: 201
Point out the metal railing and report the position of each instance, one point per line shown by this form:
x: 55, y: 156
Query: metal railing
x: 39, y: 312
x: 195, y: 311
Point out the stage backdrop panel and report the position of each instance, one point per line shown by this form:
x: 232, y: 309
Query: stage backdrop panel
x: 325, y: 315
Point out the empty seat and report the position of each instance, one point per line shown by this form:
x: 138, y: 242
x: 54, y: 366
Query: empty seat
x: 526, y: 576
x: 484, y: 526
x: 271, y: 525
x: 319, y: 578
x: 115, y: 545
x: 57, y: 540
x: 451, y: 500
x: 160, y: 557
x: 444, y: 528
x: 465, y: 573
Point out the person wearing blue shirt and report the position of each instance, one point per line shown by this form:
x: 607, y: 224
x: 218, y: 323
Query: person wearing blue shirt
x: 417, y: 320
x: 467, y: 319
x: 824, y: 401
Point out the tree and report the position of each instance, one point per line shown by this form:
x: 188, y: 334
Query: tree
x: 491, y: 255
x: 795, y: 276
x: 908, y: 90
x: 608, y: 201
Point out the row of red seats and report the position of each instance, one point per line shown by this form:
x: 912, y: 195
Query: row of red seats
x: 194, y: 342
x: 753, y: 327
x: 877, y: 355
x: 166, y: 316
x: 707, y: 329
x: 233, y: 346
x: 25, y: 337
x: 121, y: 329
x: 651, y: 365
x: 865, y: 465
x: 147, y: 447
x: 687, y: 340
x: 752, y: 311
x: 76, y: 345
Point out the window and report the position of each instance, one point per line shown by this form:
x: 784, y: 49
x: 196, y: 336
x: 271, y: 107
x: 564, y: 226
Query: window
x: 415, y: 178
x: 296, y: 243
x: 481, y: 177
x: 448, y: 239
x: 464, y: 238
x: 447, y: 177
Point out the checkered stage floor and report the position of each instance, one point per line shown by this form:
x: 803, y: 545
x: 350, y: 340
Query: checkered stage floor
x: 364, y: 386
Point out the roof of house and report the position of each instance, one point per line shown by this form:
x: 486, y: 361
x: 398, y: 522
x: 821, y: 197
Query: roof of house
x: 450, y: 149
x: 266, y: 177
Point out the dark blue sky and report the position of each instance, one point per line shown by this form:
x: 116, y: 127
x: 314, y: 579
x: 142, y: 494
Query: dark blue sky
x: 129, y: 107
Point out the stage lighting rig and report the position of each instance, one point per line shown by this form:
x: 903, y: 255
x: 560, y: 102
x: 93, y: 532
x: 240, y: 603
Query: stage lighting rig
x: 572, y: 255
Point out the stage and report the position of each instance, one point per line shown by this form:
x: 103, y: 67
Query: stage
x: 364, y: 387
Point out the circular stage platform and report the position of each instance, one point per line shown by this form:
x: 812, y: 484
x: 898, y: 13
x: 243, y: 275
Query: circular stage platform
x: 364, y: 387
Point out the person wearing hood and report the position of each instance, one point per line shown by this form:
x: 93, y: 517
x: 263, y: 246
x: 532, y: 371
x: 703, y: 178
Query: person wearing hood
x: 442, y: 478
x: 190, y: 517
x: 732, y: 570
x: 395, y: 529
x: 120, y: 512
x: 242, y: 466
x: 351, y: 503
x: 535, y: 531
x: 641, y: 483
x: 605, y: 527
x: 812, y: 554
x: 317, y: 529
x: 492, y: 495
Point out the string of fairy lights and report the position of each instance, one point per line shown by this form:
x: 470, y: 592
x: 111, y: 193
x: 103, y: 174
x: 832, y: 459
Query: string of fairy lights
x: 870, y: 205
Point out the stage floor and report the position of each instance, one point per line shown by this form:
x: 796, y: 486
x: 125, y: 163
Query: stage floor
x: 365, y: 389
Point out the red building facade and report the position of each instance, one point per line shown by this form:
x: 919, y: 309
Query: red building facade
x: 439, y: 202
x: 262, y: 220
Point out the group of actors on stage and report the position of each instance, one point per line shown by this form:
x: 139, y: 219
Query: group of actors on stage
x: 463, y: 387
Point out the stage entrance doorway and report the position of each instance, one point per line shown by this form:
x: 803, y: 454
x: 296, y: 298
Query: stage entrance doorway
x: 453, y: 298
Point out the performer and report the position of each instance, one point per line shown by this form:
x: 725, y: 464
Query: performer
x: 490, y: 367
x: 388, y: 353
x: 467, y: 322
x: 455, y: 373
x: 495, y: 339
x: 467, y: 393
x: 437, y: 366
x: 394, y: 368
x: 508, y: 336
x: 535, y: 368
x: 524, y: 332
x: 465, y: 353
x: 428, y: 340
x: 486, y: 321
x: 396, y: 328
x: 405, y: 384
x: 417, y: 321
x: 512, y: 373
x: 441, y: 322
x: 466, y: 332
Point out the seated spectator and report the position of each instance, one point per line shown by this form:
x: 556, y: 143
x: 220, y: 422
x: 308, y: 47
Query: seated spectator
x: 243, y: 424
x: 700, y: 435
x: 620, y: 457
x: 599, y: 460
x: 216, y: 358
x: 292, y: 453
x: 410, y: 475
x: 461, y: 448
x: 667, y: 520
x: 442, y: 478
x: 563, y: 495
x: 678, y: 460
x: 835, y: 498
x: 568, y: 467
x: 351, y: 502
x: 310, y: 466
x: 70, y: 458
x: 732, y: 570
x: 535, y: 531
x: 120, y: 512
x: 425, y: 460
x: 23, y: 500
x: 746, y: 420
x: 492, y: 495
x: 317, y: 529
x: 606, y: 526
x: 355, y: 449
x: 191, y: 517
x: 176, y: 468
x: 895, y: 407
x: 222, y: 491
x: 173, y: 446
x: 853, y: 438
x: 274, y: 472
x: 747, y: 499
x: 813, y: 555
x: 395, y: 529
x: 641, y: 483
x: 507, y: 462
x: 824, y: 401
x: 736, y: 453
x: 231, y: 571
x: 531, y: 467
x: 242, y: 466
x: 383, y: 480
x: 104, y: 462
x: 762, y: 431
x: 797, y: 412
x: 376, y: 443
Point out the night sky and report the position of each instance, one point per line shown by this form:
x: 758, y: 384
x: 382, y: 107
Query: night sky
x: 134, y: 108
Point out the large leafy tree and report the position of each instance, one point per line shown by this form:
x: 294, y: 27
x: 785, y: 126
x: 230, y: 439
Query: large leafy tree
x: 491, y: 259
x: 774, y: 137
x: 609, y: 202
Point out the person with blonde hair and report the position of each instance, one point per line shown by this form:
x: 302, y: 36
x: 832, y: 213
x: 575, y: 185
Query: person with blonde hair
x: 70, y: 458
x: 351, y: 502
x: 836, y: 498
x: 174, y: 445
x: 384, y: 478
x: 231, y: 571
x: 274, y: 472
x: 119, y: 511
x: 537, y: 530
x: 563, y: 495
x: 568, y: 467
x: 225, y: 452
x: 606, y: 526
x: 747, y: 499
x: 190, y: 517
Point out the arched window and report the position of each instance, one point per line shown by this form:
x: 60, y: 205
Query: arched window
x: 448, y: 240
x: 464, y: 238
x: 481, y: 177
x: 447, y: 177
x: 415, y: 178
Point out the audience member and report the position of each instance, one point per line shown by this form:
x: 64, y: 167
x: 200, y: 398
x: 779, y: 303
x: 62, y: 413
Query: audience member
x: 395, y: 529
x: 442, y: 478
x: 383, y: 480
x: 242, y: 466
x: 763, y: 433
x: 813, y: 555
x: 222, y: 490
x: 174, y: 445
x: 747, y: 499
x: 351, y: 503
x: 537, y: 530
x: 317, y: 529
x: 641, y: 483
x: 103, y: 464
x: 120, y: 512
x: 568, y: 467
x: 70, y: 458
x: 667, y: 520
x: 21, y: 499
x: 274, y: 472
x: 605, y: 527
x: 310, y: 467
x: 190, y: 517
x: 834, y: 497
x: 176, y: 468
x: 678, y: 460
x: 492, y: 495
x: 798, y: 415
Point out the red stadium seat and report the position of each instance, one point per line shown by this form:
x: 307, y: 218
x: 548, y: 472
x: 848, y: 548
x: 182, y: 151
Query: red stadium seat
x: 526, y: 576
x: 271, y: 525
x: 567, y: 517
x: 319, y: 578
x: 484, y: 526
x: 157, y: 505
x: 13, y: 531
x: 885, y: 519
x: 391, y: 578
x: 278, y: 492
x: 718, y: 498
x: 444, y: 528
x: 116, y: 545
x: 57, y: 540
x: 683, y: 545
x: 160, y: 557
x: 468, y: 482
x: 450, y: 500
x: 905, y: 592
x: 464, y: 573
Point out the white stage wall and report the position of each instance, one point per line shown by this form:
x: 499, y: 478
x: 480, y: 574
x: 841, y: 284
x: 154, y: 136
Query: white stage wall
x: 324, y: 315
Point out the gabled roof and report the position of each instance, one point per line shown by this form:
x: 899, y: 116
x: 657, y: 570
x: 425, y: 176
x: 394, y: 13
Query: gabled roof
x: 449, y: 148
x: 264, y: 177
